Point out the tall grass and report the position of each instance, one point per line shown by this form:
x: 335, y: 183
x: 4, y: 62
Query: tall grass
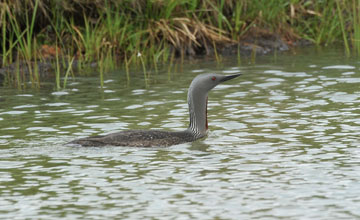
x: 57, y: 68
x: 68, y: 71
x: 356, y: 25
x: 25, y: 41
x: 111, y: 32
x: 342, y: 26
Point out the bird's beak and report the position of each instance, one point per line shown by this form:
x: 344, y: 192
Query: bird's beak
x: 226, y: 78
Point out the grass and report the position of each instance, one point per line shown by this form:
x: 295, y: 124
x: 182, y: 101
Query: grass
x: 68, y: 71
x: 25, y: 42
x: 112, y: 32
x: 356, y: 25
x: 342, y: 26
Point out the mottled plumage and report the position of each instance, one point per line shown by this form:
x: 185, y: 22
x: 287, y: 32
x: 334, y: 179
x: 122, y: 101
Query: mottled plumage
x: 197, y: 100
x: 138, y: 138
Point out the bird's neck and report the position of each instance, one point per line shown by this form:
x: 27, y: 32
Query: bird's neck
x: 197, y: 101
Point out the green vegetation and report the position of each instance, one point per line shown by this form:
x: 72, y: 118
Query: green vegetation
x: 113, y: 32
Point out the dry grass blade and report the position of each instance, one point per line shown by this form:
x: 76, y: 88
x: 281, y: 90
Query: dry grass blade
x: 187, y: 33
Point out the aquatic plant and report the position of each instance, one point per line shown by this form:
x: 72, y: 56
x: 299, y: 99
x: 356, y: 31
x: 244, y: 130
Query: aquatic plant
x: 68, y: 71
x: 25, y: 41
x: 342, y: 26
x: 356, y: 25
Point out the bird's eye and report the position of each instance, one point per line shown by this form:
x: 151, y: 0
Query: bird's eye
x: 213, y: 78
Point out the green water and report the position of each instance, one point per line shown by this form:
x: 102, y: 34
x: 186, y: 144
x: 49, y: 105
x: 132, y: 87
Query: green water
x: 284, y: 142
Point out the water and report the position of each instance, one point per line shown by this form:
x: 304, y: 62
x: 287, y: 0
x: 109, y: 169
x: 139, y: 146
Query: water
x: 284, y: 143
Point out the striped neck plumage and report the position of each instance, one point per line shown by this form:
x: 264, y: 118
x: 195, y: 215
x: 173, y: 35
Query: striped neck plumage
x: 198, y: 113
x: 197, y: 100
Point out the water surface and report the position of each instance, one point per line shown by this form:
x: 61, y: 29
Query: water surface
x: 283, y: 143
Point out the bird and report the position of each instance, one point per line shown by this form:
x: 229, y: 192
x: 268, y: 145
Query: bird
x: 198, y: 127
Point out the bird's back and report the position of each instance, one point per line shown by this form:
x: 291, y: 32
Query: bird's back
x: 138, y: 138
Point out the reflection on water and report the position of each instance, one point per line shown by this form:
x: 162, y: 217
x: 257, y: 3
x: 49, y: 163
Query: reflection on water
x: 284, y: 143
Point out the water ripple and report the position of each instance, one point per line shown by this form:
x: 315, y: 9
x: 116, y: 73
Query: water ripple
x: 348, y: 67
x: 283, y: 139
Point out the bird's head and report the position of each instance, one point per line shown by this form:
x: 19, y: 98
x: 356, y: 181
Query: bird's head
x: 206, y: 82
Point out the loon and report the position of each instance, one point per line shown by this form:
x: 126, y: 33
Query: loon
x: 197, y: 101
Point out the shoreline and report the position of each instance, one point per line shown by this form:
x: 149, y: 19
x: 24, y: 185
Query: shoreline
x: 252, y: 45
x: 41, y: 36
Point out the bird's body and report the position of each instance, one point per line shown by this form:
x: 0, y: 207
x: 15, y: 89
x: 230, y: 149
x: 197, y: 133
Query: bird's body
x: 139, y: 138
x: 197, y: 100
